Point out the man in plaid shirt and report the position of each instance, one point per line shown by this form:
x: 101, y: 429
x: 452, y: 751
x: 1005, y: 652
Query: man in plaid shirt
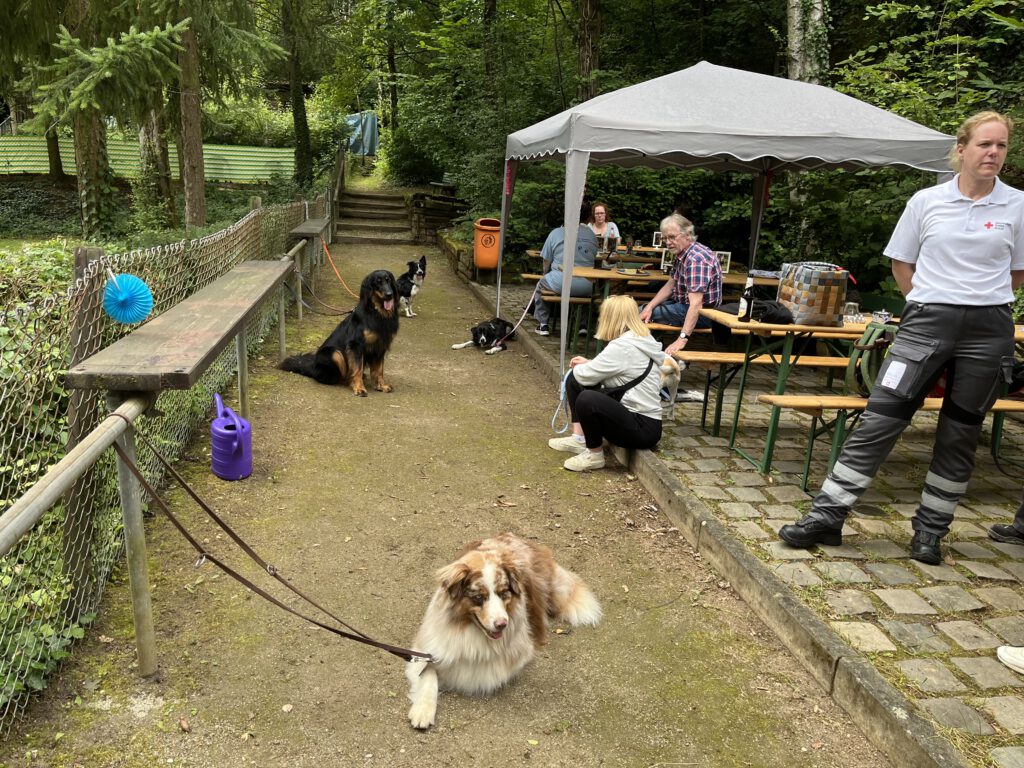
x: 696, y: 282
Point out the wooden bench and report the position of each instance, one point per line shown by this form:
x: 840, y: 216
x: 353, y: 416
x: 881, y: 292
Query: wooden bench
x: 312, y: 231
x: 829, y: 336
x: 175, y: 348
x: 446, y: 186
x: 721, y: 368
x: 848, y: 409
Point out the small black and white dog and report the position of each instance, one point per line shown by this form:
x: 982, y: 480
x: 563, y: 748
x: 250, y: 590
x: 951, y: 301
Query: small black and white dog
x: 490, y: 336
x: 410, y: 283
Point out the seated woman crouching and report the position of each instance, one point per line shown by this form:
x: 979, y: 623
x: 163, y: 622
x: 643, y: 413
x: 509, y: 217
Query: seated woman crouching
x: 615, y: 396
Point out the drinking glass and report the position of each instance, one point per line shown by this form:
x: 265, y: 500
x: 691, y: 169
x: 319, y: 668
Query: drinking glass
x: 851, y: 312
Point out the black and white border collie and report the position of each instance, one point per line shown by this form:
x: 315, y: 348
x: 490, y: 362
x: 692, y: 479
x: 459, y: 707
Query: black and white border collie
x: 410, y: 283
x: 490, y: 336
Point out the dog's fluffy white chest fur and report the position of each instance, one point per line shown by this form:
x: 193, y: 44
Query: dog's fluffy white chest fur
x: 467, y: 660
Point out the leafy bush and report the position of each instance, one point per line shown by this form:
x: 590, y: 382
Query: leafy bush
x: 34, y: 632
x: 249, y: 123
x: 34, y: 271
x: 403, y: 161
x: 34, y: 207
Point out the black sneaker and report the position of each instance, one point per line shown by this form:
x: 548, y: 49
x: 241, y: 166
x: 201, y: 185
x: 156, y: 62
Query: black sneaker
x: 1006, y: 533
x: 809, y: 531
x: 924, y: 547
x: 542, y: 330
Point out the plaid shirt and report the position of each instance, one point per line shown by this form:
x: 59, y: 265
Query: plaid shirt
x: 701, y: 273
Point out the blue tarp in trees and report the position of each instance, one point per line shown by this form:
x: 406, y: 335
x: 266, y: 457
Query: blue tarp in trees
x: 364, y: 138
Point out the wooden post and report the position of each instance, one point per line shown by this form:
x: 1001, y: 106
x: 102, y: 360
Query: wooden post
x: 135, y: 546
x: 281, y: 341
x: 242, y: 356
x: 255, y: 202
x: 313, y: 259
x: 298, y: 284
x: 83, y: 415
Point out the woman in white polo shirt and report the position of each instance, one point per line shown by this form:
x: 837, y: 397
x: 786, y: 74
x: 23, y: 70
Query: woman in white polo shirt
x: 957, y: 255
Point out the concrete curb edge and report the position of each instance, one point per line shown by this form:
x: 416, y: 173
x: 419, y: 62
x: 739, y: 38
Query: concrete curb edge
x: 882, y: 713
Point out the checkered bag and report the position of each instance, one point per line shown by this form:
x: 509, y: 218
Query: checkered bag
x: 814, y: 291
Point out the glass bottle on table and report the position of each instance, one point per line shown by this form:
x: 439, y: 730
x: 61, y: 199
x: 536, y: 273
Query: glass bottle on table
x: 746, y: 309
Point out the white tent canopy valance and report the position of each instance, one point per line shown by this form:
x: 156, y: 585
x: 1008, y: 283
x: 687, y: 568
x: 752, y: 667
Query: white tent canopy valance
x: 720, y: 119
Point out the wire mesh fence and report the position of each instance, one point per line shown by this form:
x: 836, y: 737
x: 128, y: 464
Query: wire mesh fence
x: 52, y: 580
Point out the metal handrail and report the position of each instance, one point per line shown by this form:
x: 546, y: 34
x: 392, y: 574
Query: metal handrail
x: 29, y: 508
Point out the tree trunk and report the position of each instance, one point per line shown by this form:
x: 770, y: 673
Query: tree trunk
x: 392, y: 67
x: 193, y: 175
x: 93, y: 169
x: 590, y: 37
x: 155, y: 165
x: 807, y: 40
x: 53, y: 156
x: 303, y: 150
x: 490, y: 47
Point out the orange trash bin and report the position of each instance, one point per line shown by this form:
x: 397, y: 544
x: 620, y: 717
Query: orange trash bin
x: 485, y: 243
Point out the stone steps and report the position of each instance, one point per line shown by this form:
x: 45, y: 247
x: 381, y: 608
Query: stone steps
x: 381, y: 238
x: 382, y: 225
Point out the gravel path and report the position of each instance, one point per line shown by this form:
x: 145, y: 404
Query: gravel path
x: 358, y: 501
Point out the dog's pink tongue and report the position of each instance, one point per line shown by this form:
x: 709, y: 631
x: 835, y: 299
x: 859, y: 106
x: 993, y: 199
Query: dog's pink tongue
x: 389, y: 304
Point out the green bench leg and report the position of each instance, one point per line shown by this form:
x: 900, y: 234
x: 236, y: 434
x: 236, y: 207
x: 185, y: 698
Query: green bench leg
x: 839, y: 430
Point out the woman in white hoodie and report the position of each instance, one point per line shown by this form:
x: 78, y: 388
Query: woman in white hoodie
x: 630, y: 363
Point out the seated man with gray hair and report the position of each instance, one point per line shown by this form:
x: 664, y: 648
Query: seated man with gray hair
x: 695, y: 282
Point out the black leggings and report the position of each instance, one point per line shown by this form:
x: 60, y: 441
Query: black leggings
x: 605, y: 418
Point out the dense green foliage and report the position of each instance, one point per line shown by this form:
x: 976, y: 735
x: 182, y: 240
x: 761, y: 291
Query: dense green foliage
x: 451, y: 79
x: 463, y: 82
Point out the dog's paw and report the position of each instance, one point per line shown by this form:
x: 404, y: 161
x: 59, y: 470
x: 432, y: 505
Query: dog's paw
x: 385, y: 387
x: 360, y: 392
x: 421, y: 716
x: 493, y: 351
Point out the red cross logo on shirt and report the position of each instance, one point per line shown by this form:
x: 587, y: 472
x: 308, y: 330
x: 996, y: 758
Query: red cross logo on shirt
x: 988, y: 225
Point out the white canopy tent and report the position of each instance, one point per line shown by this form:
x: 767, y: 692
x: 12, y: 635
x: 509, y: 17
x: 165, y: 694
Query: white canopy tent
x: 721, y: 119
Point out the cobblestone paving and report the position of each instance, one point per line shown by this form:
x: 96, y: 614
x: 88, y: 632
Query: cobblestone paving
x: 932, y: 631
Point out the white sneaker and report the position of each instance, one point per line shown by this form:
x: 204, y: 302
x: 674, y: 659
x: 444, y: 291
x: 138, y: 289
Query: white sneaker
x: 568, y: 444
x: 689, y: 396
x: 1012, y: 656
x: 584, y: 461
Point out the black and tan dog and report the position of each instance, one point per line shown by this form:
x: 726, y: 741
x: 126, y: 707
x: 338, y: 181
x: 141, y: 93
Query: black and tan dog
x: 359, y: 342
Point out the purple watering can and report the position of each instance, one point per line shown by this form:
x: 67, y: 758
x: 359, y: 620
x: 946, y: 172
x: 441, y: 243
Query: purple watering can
x: 231, y: 443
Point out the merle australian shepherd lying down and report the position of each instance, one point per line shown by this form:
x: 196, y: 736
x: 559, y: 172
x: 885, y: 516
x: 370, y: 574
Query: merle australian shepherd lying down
x: 488, y: 617
x: 360, y: 341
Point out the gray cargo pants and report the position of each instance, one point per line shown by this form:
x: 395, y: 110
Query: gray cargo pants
x: 974, y: 347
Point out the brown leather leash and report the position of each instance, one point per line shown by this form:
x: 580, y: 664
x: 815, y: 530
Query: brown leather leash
x: 352, y: 634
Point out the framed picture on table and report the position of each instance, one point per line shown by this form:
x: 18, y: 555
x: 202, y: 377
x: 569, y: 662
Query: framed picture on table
x: 724, y: 258
x: 656, y: 239
x: 667, y: 258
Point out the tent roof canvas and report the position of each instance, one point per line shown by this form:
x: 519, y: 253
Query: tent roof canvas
x: 725, y: 119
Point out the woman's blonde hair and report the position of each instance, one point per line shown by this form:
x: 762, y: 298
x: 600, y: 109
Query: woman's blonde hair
x: 618, y: 315
x: 969, y: 126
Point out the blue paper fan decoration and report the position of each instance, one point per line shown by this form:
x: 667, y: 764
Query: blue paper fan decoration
x: 127, y: 299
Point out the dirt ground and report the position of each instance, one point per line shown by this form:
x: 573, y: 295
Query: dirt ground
x: 358, y: 501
